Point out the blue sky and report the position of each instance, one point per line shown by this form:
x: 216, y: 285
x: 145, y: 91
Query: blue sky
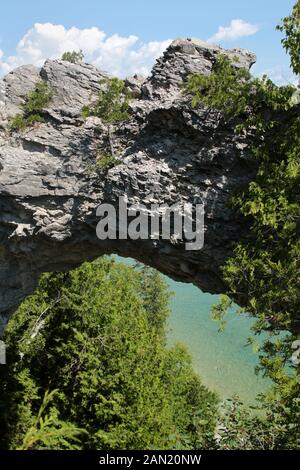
x: 142, y: 29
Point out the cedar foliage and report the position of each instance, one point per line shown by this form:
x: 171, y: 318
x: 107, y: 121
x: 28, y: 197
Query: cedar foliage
x: 112, y: 103
x: 96, y: 338
x: 264, y: 273
x: 74, y: 57
x: 35, y: 102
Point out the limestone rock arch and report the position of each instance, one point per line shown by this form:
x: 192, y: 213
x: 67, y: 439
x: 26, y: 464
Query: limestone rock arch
x: 169, y: 153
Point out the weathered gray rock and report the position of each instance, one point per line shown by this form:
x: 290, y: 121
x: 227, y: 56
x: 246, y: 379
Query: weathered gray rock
x: 15, y: 87
x: 169, y: 153
x: 134, y: 85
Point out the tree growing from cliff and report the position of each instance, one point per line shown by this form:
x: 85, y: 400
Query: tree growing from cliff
x: 112, y: 107
x: 95, y: 337
x: 46, y: 429
x: 35, y: 103
x: 74, y: 57
x: 264, y: 273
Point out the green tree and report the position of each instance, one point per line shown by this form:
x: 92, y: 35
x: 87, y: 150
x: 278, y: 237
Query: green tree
x: 112, y: 103
x: 33, y: 108
x: 264, y: 274
x: 290, y: 26
x: 155, y: 295
x: 48, y: 431
x: 112, y: 107
x: 92, y: 335
x: 74, y: 57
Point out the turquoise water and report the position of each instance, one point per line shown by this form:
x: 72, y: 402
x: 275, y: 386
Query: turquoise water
x: 222, y: 360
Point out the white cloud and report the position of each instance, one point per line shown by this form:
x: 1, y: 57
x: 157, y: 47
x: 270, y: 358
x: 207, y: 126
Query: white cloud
x: 116, y: 54
x: 236, y: 29
x: 280, y: 75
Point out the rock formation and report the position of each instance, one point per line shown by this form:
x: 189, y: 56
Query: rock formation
x: 169, y: 153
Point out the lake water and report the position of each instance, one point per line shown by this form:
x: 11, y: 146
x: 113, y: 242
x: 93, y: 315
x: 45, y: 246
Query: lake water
x: 222, y: 359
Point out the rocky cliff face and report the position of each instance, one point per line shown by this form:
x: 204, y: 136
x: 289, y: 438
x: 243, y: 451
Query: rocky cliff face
x: 169, y: 153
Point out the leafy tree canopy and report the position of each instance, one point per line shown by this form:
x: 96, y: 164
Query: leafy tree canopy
x: 35, y: 102
x: 95, y: 338
x: 264, y: 274
x: 112, y: 104
x: 74, y: 57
